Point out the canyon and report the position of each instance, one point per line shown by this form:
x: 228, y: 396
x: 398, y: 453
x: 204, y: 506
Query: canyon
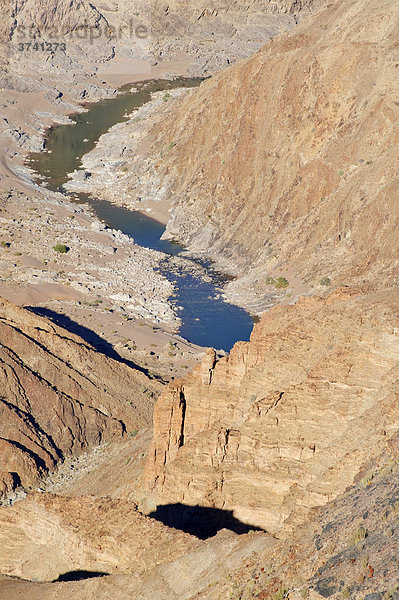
x: 279, y: 166
x: 134, y: 464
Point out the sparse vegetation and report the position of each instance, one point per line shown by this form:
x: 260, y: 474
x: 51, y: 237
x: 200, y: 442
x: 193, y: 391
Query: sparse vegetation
x: 367, y: 480
x: 325, y: 281
x: 281, y: 282
x: 166, y: 97
x: 359, y: 535
x: 61, y: 248
x: 390, y: 594
x: 270, y: 281
x: 4, y: 244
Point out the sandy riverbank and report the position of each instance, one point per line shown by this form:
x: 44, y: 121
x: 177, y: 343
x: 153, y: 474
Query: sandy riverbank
x: 38, y: 90
x: 104, y: 283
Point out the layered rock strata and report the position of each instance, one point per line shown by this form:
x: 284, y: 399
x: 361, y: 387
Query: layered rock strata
x: 317, y: 135
x: 286, y: 421
x: 58, y: 396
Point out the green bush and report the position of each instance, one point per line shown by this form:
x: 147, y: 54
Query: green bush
x: 325, y: 281
x: 281, y: 282
x: 270, y: 281
x: 61, y: 248
x: 4, y: 244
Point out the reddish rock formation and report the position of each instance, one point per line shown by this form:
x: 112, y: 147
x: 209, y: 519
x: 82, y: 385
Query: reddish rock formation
x: 58, y: 395
x: 285, y: 421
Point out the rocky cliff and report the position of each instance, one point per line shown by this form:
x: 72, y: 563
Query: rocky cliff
x: 347, y: 549
x: 208, y: 35
x: 285, y: 164
x: 59, y: 395
x: 333, y: 362
x: 286, y: 421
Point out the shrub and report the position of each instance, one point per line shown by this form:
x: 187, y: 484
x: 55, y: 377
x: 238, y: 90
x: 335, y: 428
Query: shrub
x: 61, y: 248
x: 325, y: 281
x: 270, y: 281
x: 359, y: 535
x: 281, y: 282
x: 4, y: 244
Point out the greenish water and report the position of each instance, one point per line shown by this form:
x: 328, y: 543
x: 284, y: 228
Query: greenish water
x: 206, y: 319
x: 65, y: 144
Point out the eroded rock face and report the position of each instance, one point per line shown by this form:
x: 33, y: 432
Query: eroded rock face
x: 285, y: 422
x: 45, y: 537
x: 58, y: 396
x: 318, y: 139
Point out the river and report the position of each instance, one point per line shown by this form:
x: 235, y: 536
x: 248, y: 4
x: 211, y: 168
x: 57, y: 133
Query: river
x: 206, y: 319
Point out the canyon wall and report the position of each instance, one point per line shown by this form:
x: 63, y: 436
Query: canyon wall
x: 286, y: 421
x: 287, y: 161
x: 208, y: 35
x: 59, y: 395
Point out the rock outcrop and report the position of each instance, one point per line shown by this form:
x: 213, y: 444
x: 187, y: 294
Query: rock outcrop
x: 59, y: 396
x: 347, y: 549
x: 47, y: 536
x: 286, y: 421
x: 71, y: 540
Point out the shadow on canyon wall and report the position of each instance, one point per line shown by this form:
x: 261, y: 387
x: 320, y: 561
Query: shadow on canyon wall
x: 88, y: 335
x: 202, y: 521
